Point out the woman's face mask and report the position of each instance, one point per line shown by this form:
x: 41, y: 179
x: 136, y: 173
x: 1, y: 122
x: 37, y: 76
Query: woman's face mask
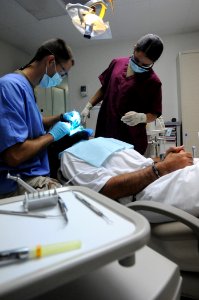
x: 136, y: 68
x: 47, y: 81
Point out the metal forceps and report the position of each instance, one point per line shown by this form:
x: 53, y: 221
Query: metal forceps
x: 92, y: 207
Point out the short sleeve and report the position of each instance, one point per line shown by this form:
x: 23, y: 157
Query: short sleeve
x: 13, y: 126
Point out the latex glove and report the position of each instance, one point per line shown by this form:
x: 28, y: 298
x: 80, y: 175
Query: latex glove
x: 86, y: 112
x: 59, y: 130
x: 73, y: 117
x: 133, y: 118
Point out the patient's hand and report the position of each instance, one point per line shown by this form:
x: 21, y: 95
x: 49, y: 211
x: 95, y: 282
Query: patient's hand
x: 175, y: 159
x: 175, y: 150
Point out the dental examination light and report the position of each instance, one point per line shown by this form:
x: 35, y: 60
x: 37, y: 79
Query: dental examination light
x: 88, y: 18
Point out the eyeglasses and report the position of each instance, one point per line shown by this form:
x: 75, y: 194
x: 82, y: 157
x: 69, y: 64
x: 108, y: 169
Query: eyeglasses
x: 139, y: 64
x: 62, y: 73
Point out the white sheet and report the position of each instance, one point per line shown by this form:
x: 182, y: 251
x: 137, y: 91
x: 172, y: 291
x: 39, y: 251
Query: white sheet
x: 180, y: 189
x: 83, y: 174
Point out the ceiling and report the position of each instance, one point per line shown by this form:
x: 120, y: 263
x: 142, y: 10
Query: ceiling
x: 25, y: 24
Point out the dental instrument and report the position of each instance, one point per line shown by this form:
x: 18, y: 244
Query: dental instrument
x: 26, y: 186
x: 194, y: 151
x: 22, y: 213
x: 36, y: 200
x: 92, y: 207
x: 63, y: 208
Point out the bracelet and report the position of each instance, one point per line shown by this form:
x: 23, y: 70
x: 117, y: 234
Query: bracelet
x: 155, y: 170
x: 61, y: 118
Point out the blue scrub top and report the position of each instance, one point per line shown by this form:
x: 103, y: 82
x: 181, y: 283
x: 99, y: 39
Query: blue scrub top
x: 20, y: 119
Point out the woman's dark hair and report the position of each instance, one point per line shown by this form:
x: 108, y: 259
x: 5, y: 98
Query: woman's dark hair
x: 56, y: 47
x: 151, y: 45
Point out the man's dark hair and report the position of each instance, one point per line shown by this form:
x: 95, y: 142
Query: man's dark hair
x: 56, y: 47
x: 151, y: 45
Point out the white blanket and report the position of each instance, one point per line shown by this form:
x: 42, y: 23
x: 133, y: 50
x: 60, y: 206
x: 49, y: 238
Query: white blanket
x: 180, y: 189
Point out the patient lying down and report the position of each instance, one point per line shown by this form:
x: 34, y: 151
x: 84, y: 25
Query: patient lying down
x: 116, y: 170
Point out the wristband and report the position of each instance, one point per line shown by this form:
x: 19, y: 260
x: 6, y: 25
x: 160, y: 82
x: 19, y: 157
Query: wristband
x: 155, y: 170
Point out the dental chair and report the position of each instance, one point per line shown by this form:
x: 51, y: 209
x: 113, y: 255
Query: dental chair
x: 177, y: 240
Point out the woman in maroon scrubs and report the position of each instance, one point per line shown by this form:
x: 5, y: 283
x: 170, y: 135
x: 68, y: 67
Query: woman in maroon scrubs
x: 131, y: 95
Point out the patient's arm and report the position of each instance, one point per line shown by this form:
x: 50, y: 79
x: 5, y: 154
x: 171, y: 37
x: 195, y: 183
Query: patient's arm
x: 128, y: 184
x: 132, y: 183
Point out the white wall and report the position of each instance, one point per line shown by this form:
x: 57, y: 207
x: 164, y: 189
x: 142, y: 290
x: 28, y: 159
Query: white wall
x: 91, y: 61
x: 11, y: 58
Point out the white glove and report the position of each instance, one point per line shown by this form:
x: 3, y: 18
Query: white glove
x: 86, y: 112
x: 133, y: 118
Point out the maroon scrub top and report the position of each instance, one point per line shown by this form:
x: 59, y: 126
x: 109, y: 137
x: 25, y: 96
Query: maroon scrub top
x: 141, y: 92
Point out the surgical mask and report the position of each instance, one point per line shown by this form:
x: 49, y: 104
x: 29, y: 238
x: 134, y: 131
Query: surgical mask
x: 47, y: 81
x: 136, y: 68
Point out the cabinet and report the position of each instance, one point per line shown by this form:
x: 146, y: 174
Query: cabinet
x: 53, y: 101
x: 173, y: 134
x: 188, y: 94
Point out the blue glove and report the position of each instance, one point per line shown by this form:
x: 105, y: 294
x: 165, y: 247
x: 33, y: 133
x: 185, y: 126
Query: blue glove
x: 59, y: 130
x: 73, y: 117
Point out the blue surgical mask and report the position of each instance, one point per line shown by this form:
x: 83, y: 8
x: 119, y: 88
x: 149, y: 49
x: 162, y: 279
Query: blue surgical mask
x: 136, y: 68
x: 47, y: 81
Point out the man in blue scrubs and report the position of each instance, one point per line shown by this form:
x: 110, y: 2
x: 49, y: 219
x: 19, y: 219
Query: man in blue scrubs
x: 24, y: 133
